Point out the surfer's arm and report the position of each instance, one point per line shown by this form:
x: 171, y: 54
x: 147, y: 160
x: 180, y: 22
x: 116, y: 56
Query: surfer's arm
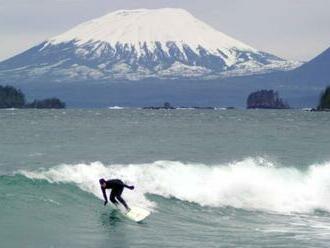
x: 104, y: 196
x: 129, y: 187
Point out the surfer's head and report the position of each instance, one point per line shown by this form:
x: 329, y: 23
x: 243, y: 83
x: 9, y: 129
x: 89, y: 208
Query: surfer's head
x: 102, y: 182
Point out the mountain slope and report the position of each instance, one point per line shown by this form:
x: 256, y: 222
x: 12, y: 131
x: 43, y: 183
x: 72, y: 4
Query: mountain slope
x: 138, y: 44
x: 315, y: 72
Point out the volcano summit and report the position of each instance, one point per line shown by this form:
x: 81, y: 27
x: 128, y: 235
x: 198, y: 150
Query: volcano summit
x: 139, y: 44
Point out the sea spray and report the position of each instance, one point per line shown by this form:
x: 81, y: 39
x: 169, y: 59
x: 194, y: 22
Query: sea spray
x: 252, y: 184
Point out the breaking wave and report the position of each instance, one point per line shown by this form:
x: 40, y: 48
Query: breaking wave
x: 253, y: 183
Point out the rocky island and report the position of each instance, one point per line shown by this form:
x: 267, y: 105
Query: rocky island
x: 265, y: 99
x: 324, y: 103
x: 168, y: 105
x: 10, y: 97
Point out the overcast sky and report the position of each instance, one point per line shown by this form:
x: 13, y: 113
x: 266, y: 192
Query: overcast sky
x: 292, y: 29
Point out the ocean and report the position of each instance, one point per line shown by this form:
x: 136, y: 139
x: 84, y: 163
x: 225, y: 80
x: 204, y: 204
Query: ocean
x: 211, y: 178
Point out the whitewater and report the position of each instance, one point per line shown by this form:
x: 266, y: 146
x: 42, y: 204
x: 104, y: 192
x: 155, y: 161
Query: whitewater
x: 212, y: 178
x: 252, y: 184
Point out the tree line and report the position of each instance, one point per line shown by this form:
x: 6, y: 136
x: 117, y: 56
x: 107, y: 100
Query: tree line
x: 269, y: 99
x: 10, y: 97
x: 324, y: 103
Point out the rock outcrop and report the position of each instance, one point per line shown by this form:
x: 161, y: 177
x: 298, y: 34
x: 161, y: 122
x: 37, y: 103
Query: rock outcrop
x: 265, y: 99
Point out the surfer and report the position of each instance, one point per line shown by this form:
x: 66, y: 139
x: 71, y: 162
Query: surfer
x: 117, y: 187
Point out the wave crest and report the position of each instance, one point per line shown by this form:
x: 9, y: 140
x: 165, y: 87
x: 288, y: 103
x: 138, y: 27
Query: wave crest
x: 253, y: 183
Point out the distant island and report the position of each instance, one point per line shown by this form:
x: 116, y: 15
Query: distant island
x: 324, y: 102
x: 168, y: 105
x: 265, y: 99
x: 10, y: 97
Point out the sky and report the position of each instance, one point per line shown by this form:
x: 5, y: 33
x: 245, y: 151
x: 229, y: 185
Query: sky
x: 291, y: 29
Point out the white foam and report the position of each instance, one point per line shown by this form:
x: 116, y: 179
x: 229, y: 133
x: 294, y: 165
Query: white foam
x: 254, y: 184
x: 116, y: 108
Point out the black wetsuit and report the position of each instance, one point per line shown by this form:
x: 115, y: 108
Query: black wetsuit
x: 117, y: 187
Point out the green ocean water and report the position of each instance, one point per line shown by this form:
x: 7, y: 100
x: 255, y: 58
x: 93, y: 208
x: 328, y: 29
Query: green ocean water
x: 229, y: 178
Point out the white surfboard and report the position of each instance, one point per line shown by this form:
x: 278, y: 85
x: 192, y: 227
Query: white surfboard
x: 137, y: 214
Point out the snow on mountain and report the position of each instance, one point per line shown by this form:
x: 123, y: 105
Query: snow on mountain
x: 141, y: 27
x: 142, y: 43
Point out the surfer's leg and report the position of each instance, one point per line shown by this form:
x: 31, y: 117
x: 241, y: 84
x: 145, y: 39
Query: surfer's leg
x: 113, y: 197
x: 119, y: 191
x: 122, y: 201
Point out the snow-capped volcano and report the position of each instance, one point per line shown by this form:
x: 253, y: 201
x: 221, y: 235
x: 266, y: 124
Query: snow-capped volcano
x: 145, y: 28
x: 136, y: 44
